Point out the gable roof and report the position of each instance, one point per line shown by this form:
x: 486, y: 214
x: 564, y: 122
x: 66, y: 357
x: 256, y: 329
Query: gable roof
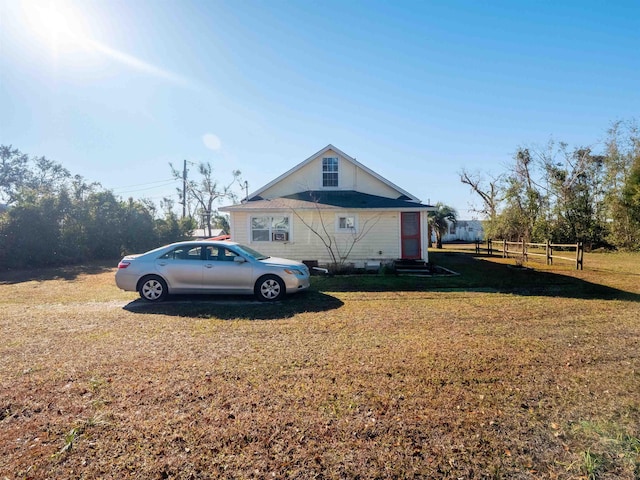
x: 401, y: 193
x: 352, y: 199
x: 280, y: 203
x: 325, y: 200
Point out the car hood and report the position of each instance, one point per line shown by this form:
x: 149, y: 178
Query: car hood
x: 281, y: 262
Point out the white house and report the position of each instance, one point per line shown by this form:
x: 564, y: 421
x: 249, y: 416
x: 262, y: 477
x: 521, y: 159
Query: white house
x: 330, y: 198
x: 202, y: 233
x: 464, y: 231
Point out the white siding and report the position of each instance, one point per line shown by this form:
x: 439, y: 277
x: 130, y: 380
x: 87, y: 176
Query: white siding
x: 350, y: 177
x: 381, y: 243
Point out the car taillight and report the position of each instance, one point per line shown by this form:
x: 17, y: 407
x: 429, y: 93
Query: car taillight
x: 124, y: 264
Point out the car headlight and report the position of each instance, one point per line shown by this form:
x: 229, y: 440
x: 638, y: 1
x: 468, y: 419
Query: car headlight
x: 294, y: 271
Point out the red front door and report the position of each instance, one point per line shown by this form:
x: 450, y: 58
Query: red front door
x: 410, y: 235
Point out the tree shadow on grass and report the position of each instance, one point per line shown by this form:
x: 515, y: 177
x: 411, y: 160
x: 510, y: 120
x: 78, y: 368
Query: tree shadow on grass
x: 506, y: 278
x: 478, y: 274
x: 10, y: 277
x: 237, y: 307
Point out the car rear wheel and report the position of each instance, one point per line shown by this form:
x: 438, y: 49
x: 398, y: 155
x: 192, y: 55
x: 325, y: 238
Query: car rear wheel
x: 269, y: 288
x: 153, y: 288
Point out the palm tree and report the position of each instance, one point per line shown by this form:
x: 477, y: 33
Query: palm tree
x: 439, y: 221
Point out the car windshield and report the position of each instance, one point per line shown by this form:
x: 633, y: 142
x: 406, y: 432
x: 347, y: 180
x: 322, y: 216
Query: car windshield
x: 250, y: 252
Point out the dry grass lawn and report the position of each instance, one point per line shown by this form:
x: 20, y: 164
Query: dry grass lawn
x: 495, y: 373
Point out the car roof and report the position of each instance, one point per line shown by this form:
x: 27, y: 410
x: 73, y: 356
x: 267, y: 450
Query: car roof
x: 204, y: 242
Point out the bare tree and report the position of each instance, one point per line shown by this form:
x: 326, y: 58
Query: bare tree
x: 339, y: 254
x: 489, y: 192
x: 206, y: 192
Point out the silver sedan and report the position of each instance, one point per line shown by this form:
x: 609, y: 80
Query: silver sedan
x: 210, y: 267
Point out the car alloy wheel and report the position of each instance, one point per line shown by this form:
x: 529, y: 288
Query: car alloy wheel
x: 269, y: 288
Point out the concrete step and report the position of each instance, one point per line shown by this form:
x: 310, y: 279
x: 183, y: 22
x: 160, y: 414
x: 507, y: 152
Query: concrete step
x: 412, y: 267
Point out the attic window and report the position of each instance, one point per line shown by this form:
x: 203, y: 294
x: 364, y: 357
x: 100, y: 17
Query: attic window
x: 330, y: 172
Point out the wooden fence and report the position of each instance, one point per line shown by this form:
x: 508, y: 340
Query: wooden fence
x: 525, y: 250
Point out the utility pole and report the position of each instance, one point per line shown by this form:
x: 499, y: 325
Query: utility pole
x: 184, y: 190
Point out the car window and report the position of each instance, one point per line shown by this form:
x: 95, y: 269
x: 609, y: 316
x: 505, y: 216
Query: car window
x: 183, y: 253
x: 250, y: 252
x: 220, y: 254
x: 226, y: 255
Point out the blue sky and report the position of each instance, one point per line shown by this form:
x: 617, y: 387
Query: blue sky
x: 115, y: 90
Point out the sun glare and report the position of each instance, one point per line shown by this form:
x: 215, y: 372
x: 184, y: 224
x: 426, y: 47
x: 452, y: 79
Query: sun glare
x: 64, y: 30
x: 57, y: 24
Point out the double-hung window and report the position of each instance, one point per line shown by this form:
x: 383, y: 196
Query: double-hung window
x: 346, y: 223
x: 330, y: 172
x: 270, y: 229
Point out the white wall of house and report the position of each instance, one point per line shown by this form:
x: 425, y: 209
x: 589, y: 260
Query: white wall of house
x: 381, y: 243
x: 463, y: 230
x: 309, y: 177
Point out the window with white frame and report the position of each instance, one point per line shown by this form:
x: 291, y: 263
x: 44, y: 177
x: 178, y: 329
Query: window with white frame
x: 270, y: 229
x: 330, y: 172
x: 346, y: 223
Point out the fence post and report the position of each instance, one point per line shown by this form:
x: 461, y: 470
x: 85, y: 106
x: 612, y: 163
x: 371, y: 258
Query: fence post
x: 549, y: 255
x: 579, y: 255
x: 524, y: 251
x: 489, y: 246
x: 505, y: 252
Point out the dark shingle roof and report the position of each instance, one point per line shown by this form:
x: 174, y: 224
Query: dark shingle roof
x: 352, y: 199
x: 257, y: 203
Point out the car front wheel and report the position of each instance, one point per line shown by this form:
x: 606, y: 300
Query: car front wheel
x: 153, y: 288
x: 269, y: 288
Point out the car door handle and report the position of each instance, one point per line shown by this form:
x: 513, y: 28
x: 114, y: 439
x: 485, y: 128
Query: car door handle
x: 162, y: 264
x: 208, y: 265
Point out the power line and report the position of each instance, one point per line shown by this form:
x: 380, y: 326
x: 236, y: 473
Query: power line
x: 121, y: 190
x: 157, y: 197
x: 149, y: 183
x: 145, y: 184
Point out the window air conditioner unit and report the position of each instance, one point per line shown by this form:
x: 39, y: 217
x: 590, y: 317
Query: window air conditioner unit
x: 280, y: 236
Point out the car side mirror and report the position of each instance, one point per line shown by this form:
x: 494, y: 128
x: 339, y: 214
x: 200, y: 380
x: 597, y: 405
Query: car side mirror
x: 239, y: 259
